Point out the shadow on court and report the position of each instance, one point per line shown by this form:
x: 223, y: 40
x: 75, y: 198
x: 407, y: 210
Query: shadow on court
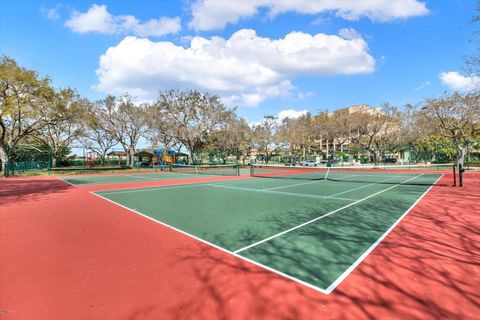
x: 18, y: 189
x: 427, y: 268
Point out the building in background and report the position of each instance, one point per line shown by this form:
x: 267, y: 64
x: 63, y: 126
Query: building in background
x: 327, y: 146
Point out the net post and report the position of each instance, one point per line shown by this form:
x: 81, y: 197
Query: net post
x: 6, y: 165
x: 50, y: 160
x: 454, y: 175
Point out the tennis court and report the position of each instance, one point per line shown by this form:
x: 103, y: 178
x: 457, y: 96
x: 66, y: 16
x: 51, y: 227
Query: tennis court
x: 177, y: 172
x: 311, y: 225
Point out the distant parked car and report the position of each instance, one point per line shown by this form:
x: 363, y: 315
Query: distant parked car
x: 309, y: 163
x: 390, y: 160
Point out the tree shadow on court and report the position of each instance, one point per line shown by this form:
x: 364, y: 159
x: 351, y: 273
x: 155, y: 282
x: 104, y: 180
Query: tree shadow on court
x: 17, y: 190
x: 427, y: 268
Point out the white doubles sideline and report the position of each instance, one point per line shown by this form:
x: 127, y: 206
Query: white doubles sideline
x: 355, y: 264
x: 321, y: 217
x: 290, y: 194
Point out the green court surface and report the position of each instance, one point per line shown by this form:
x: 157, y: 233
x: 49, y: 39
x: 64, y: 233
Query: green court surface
x: 314, y: 232
x: 82, y: 180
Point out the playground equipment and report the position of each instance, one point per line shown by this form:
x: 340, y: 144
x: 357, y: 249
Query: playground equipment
x: 164, y: 158
x: 92, y: 159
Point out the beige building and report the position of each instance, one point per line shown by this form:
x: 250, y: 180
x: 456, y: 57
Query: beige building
x: 340, y: 143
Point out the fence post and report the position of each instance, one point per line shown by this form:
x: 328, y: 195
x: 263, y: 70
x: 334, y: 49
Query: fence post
x: 49, y: 163
x: 460, y: 174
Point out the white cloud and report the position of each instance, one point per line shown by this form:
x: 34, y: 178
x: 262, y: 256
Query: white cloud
x: 349, y: 33
x: 257, y: 95
x: 456, y: 81
x: 215, y: 14
x: 282, y: 115
x: 244, y: 69
x: 290, y: 113
x: 98, y: 19
x: 51, y: 13
x: 423, y: 85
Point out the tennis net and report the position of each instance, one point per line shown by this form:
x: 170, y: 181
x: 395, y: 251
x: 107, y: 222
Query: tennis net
x: 404, y: 174
x: 219, y: 170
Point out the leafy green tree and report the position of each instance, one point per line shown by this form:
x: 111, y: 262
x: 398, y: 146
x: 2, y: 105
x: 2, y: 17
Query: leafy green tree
x: 68, y: 127
x: 95, y: 134
x: 455, y: 117
x: 188, y: 117
x: 297, y: 135
x: 26, y: 105
x: 233, y: 138
x: 125, y: 120
x: 264, y: 136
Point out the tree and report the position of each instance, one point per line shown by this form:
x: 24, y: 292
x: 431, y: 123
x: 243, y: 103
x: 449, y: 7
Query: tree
x: 188, y: 117
x: 373, y: 131
x: 264, y: 135
x: 125, y: 120
x: 60, y: 134
x: 388, y: 137
x: 473, y: 61
x: 25, y: 105
x: 339, y: 128
x: 297, y: 134
x: 95, y: 135
x: 233, y: 138
x: 455, y: 116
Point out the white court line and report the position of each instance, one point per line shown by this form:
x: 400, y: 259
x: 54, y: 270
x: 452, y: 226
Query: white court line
x: 361, y: 187
x: 189, y: 185
x: 218, y: 247
x: 291, y: 194
x: 66, y: 182
x: 355, y: 264
x: 154, y: 189
x: 320, y: 217
x: 139, y: 177
x: 294, y: 185
x: 322, y: 180
x: 303, y: 183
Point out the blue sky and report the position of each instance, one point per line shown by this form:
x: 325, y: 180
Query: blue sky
x: 263, y: 56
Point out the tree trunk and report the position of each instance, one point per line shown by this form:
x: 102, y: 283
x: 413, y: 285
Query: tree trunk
x: 131, y: 156
x: 461, y: 155
x: 54, y: 161
x: 3, y: 158
x: 191, y: 158
x: 125, y: 148
x: 103, y: 157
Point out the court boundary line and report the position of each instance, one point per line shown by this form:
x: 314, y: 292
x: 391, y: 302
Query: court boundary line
x: 289, y: 194
x: 361, y: 187
x: 140, y: 177
x: 134, y: 175
x: 320, y: 217
x: 326, y: 291
x: 142, y: 189
x: 293, y: 185
x: 360, y: 259
x: 73, y: 185
x: 258, y: 264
